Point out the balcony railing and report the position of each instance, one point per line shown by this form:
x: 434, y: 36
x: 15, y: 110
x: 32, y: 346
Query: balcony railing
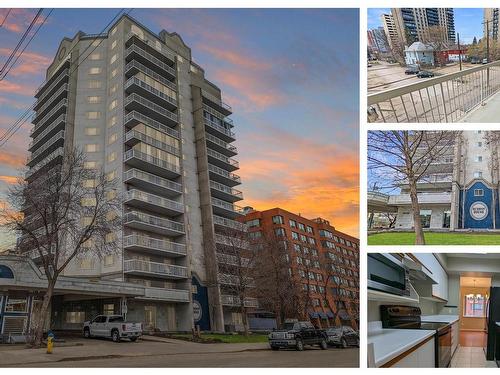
x: 231, y: 241
x: 146, y: 55
x: 154, y: 268
x: 223, y: 173
x: 153, y: 43
x: 229, y: 300
x: 227, y: 206
x: 447, y: 98
x: 221, y: 106
x: 153, y: 221
x: 58, y: 136
x: 141, y: 137
x: 136, y: 65
x: 42, y: 163
x: 152, y: 106
x: 47, y: 130
x: 375, y: 196
x: 224, y: 159
x: 150, y: 89
x: 151, y: 199
x: 139, y: 155
x: 135, y: 117
x: 219, y: 128
x: 61, y: 75
x: 160, y: 294
x: 162, y: 184
x: 232, y: 260
x: 41, y: 111
x: 238, y: 195
x: 423, y: 198
x: 40, y: 123
x: 218, y: 114
x: 228, y: 223
x: 163, y: 246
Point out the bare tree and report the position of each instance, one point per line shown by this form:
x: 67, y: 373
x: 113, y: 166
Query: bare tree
x: 493, y: 142
x: 236, y: 259
x: 63, y: 213
x: 406, y: 158
x: 437, y: 37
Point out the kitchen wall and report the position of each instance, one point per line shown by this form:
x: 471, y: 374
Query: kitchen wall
x: 471, y: 324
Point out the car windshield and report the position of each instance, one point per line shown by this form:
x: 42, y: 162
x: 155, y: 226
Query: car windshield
x: 289, y: 326
x: 116, y: 319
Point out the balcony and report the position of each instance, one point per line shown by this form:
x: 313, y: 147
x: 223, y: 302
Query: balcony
x: 54, y: 114
x: 47, y: 87
x: 140, y: 87
x: 234, y: 301
x: 231, y: 241
x: 159, y: 270
x: 139, y: 54
x: 153, y: 44
x: 135, y: 102
x: 219, y: 130
x: 228, y: 279
x: 57, y: 124
x: 53, y: 157
x: 169, y: 295
x: 453, y: 97
x: 228, y: 223
x: 153, y: 203
x: 423, y: 198
x: 221, y: 160
x: 61, y: 93
x: 133, y: 67
x: 224, y: 208
x: 224, y: 192
x: 379, y: 202
x: 155, y: 224
x: 233, y: 260
x: 133, y: 118
x: 216, y: 103
x: 56, y: 141
x: 141, y: 160
x: 223, y: 176
x: 221, y: 146
x: 155, y: 246
x: 134, y: 137
x: 153, y: 183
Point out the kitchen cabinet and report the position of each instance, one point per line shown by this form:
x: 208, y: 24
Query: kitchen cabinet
x: 454, y: 337
x: 435, y: 271
x: 422, y: 356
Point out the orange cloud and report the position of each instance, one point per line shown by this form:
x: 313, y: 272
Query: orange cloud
x: 19, y: 19
x: 235, y: 58
x: 29, y: 63
x: 9, y: 87
x: 12, y: 160
x: 9, y: 179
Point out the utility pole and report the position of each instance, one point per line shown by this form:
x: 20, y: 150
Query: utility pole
x: 459, y: 52
x: 487, y: 40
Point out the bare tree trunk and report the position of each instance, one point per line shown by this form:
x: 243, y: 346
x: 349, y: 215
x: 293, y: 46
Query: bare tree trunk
x: 47, y: 298
x: 245, y: 319
x: 419, y: 232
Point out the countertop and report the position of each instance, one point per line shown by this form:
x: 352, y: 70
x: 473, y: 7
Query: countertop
x: 439, y: 318
x: 389, y: 343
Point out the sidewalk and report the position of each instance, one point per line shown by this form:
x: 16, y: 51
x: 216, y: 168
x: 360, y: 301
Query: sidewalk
x: 102, y: 349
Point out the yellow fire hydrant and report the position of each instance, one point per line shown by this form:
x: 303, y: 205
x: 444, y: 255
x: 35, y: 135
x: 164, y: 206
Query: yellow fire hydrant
x: 50, y: 342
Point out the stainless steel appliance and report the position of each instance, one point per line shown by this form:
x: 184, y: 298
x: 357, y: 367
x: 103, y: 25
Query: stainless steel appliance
x: 387, y: 274
x: 408, y: 317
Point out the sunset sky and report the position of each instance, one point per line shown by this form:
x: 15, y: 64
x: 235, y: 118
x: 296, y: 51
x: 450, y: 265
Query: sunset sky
x: 291, y: 77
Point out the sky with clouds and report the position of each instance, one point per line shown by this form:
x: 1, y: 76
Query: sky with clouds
x: 291, y: 77
x: 468, y: 21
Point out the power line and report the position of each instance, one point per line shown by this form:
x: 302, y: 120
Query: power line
x: 24, y: 117
x: 5, y: 18
x: 26, y: 45
x: 14, y: 51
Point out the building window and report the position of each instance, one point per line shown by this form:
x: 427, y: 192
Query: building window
x: 113, y: 58
x: 280, y: 232
x: 112, y: 157
x: 478, y: 192
x: 112, y: 121
x: 292, y: 223
x: 93, y: 115
x: 302, y: 227
x: 95, y: 56
x: 16, y: 305
x: 93, y: 99
x: 295, y: 236
x: 113, y: 45
x: 91, y: 131
x: 90, y: 165
x: 86, y: 264
x: 479, y: 158
x: 255, y: 235
x: 474, y: 306
x: 310, y: 229
x: 108, y: 309
x: 114, y: 72
x: 94, y: 84
x: 278, y: 219
x: 91, y: 147
x: 88, y: 202
x: 253, y: 223
x: 112, y: 138
x: 303, y: 238
x: 75, y: 316
x: 95, y: 70
x: 113, y: 104
x: 478, y: 174
x: 425, y: 218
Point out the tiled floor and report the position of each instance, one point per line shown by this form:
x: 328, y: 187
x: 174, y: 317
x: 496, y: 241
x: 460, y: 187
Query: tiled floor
x: 471, y: 356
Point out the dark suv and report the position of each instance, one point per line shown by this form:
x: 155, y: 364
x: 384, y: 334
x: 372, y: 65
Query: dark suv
x: 296, y: 335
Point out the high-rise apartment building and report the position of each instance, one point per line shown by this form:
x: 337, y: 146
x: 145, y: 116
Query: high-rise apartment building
x: 458, y: 191
x: 412, y: 24
x: 390, y: 30
x: 310, y: 242
x: 490, y: 22
x: 377, y: 41
x: 141, y: 109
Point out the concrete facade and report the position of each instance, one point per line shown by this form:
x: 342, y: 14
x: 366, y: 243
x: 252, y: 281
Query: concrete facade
x: 143, y: 111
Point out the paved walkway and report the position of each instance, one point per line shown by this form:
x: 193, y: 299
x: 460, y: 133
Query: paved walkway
x: 487, y: 113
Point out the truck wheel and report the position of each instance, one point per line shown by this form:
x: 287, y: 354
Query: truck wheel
x: 86, y: 333
x: 323, y: 345
x: 133, y: 339
x: 299, y: 345
x: 115, y: 335
x: 343, y: 343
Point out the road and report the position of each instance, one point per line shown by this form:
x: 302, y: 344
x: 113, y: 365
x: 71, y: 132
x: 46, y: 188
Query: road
x: 175, y: 353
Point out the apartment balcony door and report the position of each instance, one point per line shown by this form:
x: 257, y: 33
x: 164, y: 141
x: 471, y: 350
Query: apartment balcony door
x: 150, y: 317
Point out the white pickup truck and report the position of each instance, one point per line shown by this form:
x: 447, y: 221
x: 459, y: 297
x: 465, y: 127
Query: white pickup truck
x: 112, y: 326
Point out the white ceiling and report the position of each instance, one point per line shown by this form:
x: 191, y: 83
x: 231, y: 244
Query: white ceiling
x: 481, y: 282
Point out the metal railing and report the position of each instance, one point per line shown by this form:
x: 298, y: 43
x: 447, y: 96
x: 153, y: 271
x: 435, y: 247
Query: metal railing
x: 224, y: 173
x: 216, y: 100
x: 59, y: 135
x: 155, y: 44
x: 150, y: 57
x: 139, y: 82
x: 137, y: 265
x: 223, y: 158
x: 47, y: 130
x: 219, y: 128
x: 58, y: 152
x: 135, y: 134
x: 135, y: 194
x: 423, y: 198
x: 221, y: 143
x: 47, y: 89
x: 134, y: 216
x: 217, y: 114
x: 153, y: 106
x: 447, y: 98
x: 229, y: 223
x: 227, y: 206
x: 41, y: 122
x: 152, y: 179
x: 40, y: 111
x: 166, y: 294
x: 153, y: 243
x: 139, y: 117
x: 136, y: 64
x: 377, y: 196
x: 225, y: 189
x: 229, y: 300
x: 130, y: 154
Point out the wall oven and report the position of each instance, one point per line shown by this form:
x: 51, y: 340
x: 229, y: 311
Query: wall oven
x: 387, y: 274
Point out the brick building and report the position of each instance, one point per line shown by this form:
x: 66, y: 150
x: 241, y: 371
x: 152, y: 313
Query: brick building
x: 313, y: 241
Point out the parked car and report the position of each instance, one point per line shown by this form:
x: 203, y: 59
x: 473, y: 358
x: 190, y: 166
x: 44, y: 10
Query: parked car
x: 296, y: 335
x: 112, y: 326
x: 342, y: 336
x: 412, y: 70
x: 475, y: 60
x: 485, y: 61
x: 425, y: 74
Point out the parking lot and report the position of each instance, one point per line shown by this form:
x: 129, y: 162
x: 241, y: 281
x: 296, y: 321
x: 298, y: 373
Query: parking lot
x: 173, y: 353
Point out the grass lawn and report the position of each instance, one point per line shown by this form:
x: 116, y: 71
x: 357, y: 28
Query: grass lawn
x: 432, y: 238
x: 228, y: 339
